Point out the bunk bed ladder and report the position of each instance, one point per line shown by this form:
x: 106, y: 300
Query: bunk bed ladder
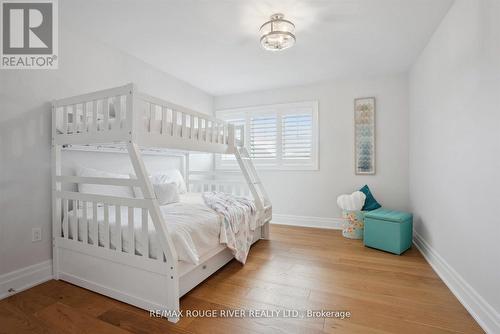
x: 254, y: 183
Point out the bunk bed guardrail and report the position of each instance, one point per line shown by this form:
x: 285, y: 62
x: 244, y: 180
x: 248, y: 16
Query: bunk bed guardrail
x: 123, y: 114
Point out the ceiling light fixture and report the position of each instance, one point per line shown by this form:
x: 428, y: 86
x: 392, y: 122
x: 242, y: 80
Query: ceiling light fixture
x: 277, y: 34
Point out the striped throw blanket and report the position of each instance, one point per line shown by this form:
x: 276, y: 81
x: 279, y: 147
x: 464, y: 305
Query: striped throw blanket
x: 239, y: 221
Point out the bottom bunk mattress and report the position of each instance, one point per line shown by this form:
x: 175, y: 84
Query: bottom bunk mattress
x: 193, y: 227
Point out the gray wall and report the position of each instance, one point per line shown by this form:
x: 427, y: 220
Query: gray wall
x: 85, y: 65
x: 314, y: 193
x: 455, y: 144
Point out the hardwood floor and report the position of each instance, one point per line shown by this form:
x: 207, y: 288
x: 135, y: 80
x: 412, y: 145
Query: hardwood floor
x: 299, y: 268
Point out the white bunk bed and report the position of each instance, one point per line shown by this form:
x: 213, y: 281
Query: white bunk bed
x: 123, y: 116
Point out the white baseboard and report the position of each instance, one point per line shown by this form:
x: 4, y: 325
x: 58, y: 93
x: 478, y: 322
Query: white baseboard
x: 25, y: 278
x: 485, y: 315
x: 308, y: 221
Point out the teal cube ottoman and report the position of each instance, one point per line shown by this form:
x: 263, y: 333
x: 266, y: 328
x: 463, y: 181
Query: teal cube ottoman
x: 388, y: 230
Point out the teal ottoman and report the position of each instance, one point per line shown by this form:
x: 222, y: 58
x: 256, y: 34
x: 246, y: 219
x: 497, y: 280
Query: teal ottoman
x: 388, y: 230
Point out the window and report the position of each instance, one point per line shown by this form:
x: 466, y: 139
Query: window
x: 263, y: 137
x: 297, y: 136
x: 282, y: 136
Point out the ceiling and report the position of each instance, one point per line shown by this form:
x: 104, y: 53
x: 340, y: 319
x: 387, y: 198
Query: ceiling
x: 214, y: 45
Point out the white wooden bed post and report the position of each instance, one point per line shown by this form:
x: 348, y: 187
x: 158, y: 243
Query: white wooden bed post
x: 164, y: 240
x: 186, y: 171
x: 161, y: 230
x: 56, y: 203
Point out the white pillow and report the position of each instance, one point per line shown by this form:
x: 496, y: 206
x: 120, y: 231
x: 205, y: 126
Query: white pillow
x: 166, y: 193
x: 170, y: 176
x: 99, y: 189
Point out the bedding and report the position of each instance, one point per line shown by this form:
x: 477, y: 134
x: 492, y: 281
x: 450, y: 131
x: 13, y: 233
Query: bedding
x: 197, y: 224
x: 239, y: 221
x: 168, y: 176
x: 193, y: 227
x: 166, y: 193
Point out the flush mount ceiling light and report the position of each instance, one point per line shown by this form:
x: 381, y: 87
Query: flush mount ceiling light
x: 277, y: 34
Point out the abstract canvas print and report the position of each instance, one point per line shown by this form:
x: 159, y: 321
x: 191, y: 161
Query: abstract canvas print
x: 364, y: 122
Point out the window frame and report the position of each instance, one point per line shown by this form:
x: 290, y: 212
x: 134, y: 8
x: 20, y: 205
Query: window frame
x: 279, y: 110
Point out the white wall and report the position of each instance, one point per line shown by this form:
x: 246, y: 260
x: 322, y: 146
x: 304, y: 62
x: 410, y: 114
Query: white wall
x: 85, y: 65
x: 455, y: 147
x: 314, y: 193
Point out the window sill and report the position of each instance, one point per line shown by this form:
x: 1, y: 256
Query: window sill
x: 236, y: 168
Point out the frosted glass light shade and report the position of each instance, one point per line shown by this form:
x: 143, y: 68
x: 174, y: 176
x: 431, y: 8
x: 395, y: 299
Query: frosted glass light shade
x: 277, y: 34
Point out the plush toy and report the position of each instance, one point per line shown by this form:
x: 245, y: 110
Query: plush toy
x: 352, y: 202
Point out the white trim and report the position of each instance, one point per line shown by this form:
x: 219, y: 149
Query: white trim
x: 229, y: 167
x: 308, y: 221
x: 25, y: 278
x: 485, y: 315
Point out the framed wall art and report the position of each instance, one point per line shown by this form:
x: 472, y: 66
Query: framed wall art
x: 364, y: 135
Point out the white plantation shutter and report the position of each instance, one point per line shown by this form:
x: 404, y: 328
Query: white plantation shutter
x: 282, y: 136
x: 297, y: 135
x: 263, y: 137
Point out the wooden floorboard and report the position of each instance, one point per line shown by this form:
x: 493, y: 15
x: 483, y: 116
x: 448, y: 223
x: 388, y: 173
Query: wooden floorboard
x: 299, y: 268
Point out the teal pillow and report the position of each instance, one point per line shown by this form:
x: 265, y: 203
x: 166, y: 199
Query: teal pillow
x: 370, y: 201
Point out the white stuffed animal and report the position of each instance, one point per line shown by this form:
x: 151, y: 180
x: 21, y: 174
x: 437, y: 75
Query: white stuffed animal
x: 352, y: 202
